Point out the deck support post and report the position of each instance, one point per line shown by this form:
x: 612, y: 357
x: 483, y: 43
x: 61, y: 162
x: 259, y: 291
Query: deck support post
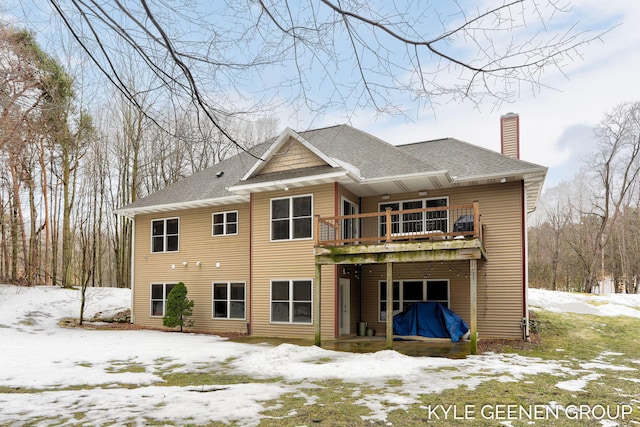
x: 316, y: 303
x: 389, y: 325
x: 473, y: 296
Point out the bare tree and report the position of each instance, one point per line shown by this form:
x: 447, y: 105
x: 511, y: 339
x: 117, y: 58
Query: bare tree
x: 616, y: 166
x: 557, y: 213
x: 230, y: 58
x: 596, y: 213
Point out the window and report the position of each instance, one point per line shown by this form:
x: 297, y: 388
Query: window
x: 159, y: 294
x: 416, y: 222
x: 349, y: 225
x: 225, y: 223
x: 229, y: 300
x: 164, y: 235
x: 407, y: 292
x: 291, y: 218
x: 291, y: 301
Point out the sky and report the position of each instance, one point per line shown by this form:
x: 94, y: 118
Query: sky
x: 556, y: 119
x: 556, y: 123
x: 37, y: 353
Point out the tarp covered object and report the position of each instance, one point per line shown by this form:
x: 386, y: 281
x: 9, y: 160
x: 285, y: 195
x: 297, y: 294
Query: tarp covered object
x: 429, y: 319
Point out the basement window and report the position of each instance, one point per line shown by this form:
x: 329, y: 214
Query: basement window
x: 291, y: 301
x: 407, y: 292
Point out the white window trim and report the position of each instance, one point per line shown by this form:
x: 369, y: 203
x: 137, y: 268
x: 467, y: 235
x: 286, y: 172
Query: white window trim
x: 424, y: 220
x: 290, y: 198
x: 228, y: 283
x: 224, y: 223
x: 424, y: 290
x: 164, y: 251
x: 164, y: 298
x: 290, y: 322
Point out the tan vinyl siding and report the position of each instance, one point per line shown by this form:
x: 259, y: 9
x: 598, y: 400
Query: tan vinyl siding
x: 500, y: 278
x: 349, y: 271
x: 292, y: 155
x: 510, y: 135
x: 456, y: 272
x: 196, y: 244
x: 288, y: 260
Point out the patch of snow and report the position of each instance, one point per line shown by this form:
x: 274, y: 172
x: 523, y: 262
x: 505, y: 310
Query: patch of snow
x: 600, y: 365
x: 578, y: 384
x: 83, y: 370
x: 599, y: 305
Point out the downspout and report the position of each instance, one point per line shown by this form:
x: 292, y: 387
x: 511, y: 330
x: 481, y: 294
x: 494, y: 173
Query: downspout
x: 360, y: 302
x: 250, y: 264
x: 133, y: 264
x: 525, y: 265
x: 336, y: 280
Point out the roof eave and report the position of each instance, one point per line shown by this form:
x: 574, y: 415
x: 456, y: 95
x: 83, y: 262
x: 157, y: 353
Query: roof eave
x: 218, y: 201
x: 406, y: 176
x: 541, y: 171
x: 243, y: 189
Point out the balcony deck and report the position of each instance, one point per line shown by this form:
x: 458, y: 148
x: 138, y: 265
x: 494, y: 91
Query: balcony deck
x: 415, y: 235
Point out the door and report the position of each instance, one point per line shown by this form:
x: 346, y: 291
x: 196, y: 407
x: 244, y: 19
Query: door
x: 349, y: 225
x: 344, y: 301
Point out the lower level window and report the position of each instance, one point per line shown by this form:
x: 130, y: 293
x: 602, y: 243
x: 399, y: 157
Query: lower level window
x: 407, y: 292
x: 229, y: 300
x: 291, y: 301
x: 159, y: 293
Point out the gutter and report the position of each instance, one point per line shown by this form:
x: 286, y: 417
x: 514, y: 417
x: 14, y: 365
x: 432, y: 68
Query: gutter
x: 406, y: 176
x: 247, y: 188
x: 132, y: 212
x: 133, y: 256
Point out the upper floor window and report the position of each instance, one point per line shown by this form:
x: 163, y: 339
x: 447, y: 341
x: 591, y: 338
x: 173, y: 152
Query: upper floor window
x: 349, y: 225
x: 164, y: 235
x: 291, y: 218
x: 416, y: 222
x: 225, y: 223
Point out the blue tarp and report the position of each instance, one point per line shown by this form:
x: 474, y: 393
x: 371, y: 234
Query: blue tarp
x: 429, y: 319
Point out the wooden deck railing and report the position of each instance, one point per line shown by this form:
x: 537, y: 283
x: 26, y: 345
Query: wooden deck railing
x: 441, y: 223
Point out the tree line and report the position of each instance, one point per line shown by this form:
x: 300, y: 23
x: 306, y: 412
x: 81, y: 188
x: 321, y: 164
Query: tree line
x: 587, y: 230
x: 64, y: 171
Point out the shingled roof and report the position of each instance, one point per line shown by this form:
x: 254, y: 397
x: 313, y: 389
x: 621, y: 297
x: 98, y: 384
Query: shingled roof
x: 466, y: 161
x: 360, y: 161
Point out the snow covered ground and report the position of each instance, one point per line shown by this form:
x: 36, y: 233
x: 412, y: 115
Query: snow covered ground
x: 88, y: 372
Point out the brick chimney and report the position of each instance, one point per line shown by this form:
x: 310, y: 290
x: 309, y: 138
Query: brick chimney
x: 510, y: 135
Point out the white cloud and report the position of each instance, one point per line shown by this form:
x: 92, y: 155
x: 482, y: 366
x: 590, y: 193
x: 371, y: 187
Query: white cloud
x: 555, y: 123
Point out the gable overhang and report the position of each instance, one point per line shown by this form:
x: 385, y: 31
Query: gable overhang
x: 282, y: 139
x: 194, y: 204
x: 284, y: 184
x: 421, y: 181
x: 533, y: 182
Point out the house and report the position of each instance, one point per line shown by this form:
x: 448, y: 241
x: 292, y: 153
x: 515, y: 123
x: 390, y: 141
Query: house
x: 311, y: 233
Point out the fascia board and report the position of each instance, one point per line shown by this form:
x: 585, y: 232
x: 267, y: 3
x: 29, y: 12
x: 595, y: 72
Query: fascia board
x: 244, y: 188
x: 406, y: 176
x: 132, y: 212
x: 507, y: 174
